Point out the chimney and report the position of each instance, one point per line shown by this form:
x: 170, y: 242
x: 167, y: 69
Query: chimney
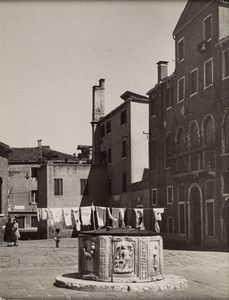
x: 39, y: 143
x: 162, y: 70
x: 98, y: 101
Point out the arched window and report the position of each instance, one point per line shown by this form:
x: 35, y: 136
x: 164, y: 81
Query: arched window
x: 180, y: 139
x: 226, y: 132
x: 168, y: 149
x: 154, y: 154
x: 194, y: 143
x: 208, y: 131
x: 194, y: 135
x: 181, y: 145
x: 208, y: 140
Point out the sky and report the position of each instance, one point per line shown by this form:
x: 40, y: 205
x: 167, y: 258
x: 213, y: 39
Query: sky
x: 53, y: 52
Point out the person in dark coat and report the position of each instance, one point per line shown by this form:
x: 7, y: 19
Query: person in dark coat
x: 9, y: 232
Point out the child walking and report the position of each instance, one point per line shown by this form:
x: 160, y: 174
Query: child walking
x: 57, y: 237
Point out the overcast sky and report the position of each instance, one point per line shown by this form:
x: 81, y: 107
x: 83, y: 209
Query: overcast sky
x: 53, y: 52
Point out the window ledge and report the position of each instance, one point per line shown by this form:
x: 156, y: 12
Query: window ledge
x: 193, y: 94
x: 225, y: 77
x: 224, y: 154
x: 207, y: 86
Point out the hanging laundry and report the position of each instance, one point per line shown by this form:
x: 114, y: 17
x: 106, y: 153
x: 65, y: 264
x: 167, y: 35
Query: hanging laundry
x: 139, y: 218
x: 44, y: 213
x: 50, y: 217
x: 57, y: 215
x: 67, y: 216
x: 101, y: 216
x: 76, y: 215
x: 39, y: 214
x: 114, y: 216
x: 85, y: 212
x: 122, y: 213
x: 157, y: 215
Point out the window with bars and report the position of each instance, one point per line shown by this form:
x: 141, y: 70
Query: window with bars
x: 207, y: 28
x: 58, y: 186
x: 180, y: 50
x: 154, y: 196
x: 181, y: 89
x: 84, y: 191
x: 208, y: 72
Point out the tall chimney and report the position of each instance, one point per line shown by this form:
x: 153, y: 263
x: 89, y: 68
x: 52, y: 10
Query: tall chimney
x: 39, y: 143
x: 98, y: 109
x: 162, y: 70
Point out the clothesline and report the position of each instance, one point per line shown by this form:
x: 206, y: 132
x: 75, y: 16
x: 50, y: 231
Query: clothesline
x: 96, y: 215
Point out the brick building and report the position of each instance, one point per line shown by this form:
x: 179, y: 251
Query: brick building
x: 4, y: 153
x: 120, y: 148
x: 189, y: 129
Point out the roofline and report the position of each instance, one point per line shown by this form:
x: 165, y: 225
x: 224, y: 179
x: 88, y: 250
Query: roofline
x: 163, y: 81
x: 5, y: 147
x: 120, y: 107
x: 175, y: 31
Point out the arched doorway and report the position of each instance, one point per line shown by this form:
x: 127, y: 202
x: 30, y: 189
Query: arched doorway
x: 195, y: 216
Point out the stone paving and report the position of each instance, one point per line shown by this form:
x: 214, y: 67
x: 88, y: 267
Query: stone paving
x: 29, y: 271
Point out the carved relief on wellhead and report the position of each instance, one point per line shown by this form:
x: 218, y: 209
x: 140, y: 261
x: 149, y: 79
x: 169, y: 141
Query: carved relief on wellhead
x: 123, y: 256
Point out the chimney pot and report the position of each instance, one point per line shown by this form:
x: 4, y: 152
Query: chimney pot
x: 39, y: 143
x: 162, y: 69
x: 102, y: 83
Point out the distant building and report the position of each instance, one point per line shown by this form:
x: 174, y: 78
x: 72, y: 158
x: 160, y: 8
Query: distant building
x: 189, y: 129
x: 120, y: 147
x: 44, y: 178
x: 4, y: 153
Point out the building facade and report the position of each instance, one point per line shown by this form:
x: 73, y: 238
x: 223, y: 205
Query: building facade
x: 189, y: 129
x: 4, y: 153
x: 120, y: 148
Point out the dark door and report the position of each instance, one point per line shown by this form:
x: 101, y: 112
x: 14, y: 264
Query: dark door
x: 195, y: 217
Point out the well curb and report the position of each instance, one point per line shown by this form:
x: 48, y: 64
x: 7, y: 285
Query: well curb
x: 170, y: 282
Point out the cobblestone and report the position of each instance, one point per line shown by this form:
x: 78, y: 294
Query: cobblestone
x: 29, y: 272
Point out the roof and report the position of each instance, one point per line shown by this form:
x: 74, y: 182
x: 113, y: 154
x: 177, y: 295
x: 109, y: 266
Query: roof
x: 38, y: 155
x: 133, y: 96
x: 163, y: 81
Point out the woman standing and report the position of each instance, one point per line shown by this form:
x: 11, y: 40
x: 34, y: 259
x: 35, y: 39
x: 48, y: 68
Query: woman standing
x: 16, y: 232
x: 9, y: 232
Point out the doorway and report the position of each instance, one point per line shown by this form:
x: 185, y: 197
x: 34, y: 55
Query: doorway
x: 195, y: 217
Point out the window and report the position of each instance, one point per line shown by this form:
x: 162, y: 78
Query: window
x: 226, y: 63
x: 181, y: 218
x: 109, y: 186
x: 108, y: 126
x: 181, y: 140
x: 226, y: 133
x: 181, y: 89
x: 153, y: 107
x: 168, y: 97
x: 180, y: 50
x: 210, y: 208
x: 21, y: 221
x: 181, y: 196
x: 208, y: 130
x: 123, y: 118
x: 33, y: 221
x: 124, y: 149
x: 124, y: 182
x: 169, y: 194
x: 154, y: 154
x: 170, y: 225
x: 109, y: 155
x: 34, y: 172
x: 58, y: 186
x: 84, y: 187
x: 168, y: 149
x: 207, y: 28
x: 33, y: 198
x: 226, y: 182
x: 194, y: 81
x: 102, y: 130
x: 194, y: 143
x: 154, y: 197
x: 208, y: 73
